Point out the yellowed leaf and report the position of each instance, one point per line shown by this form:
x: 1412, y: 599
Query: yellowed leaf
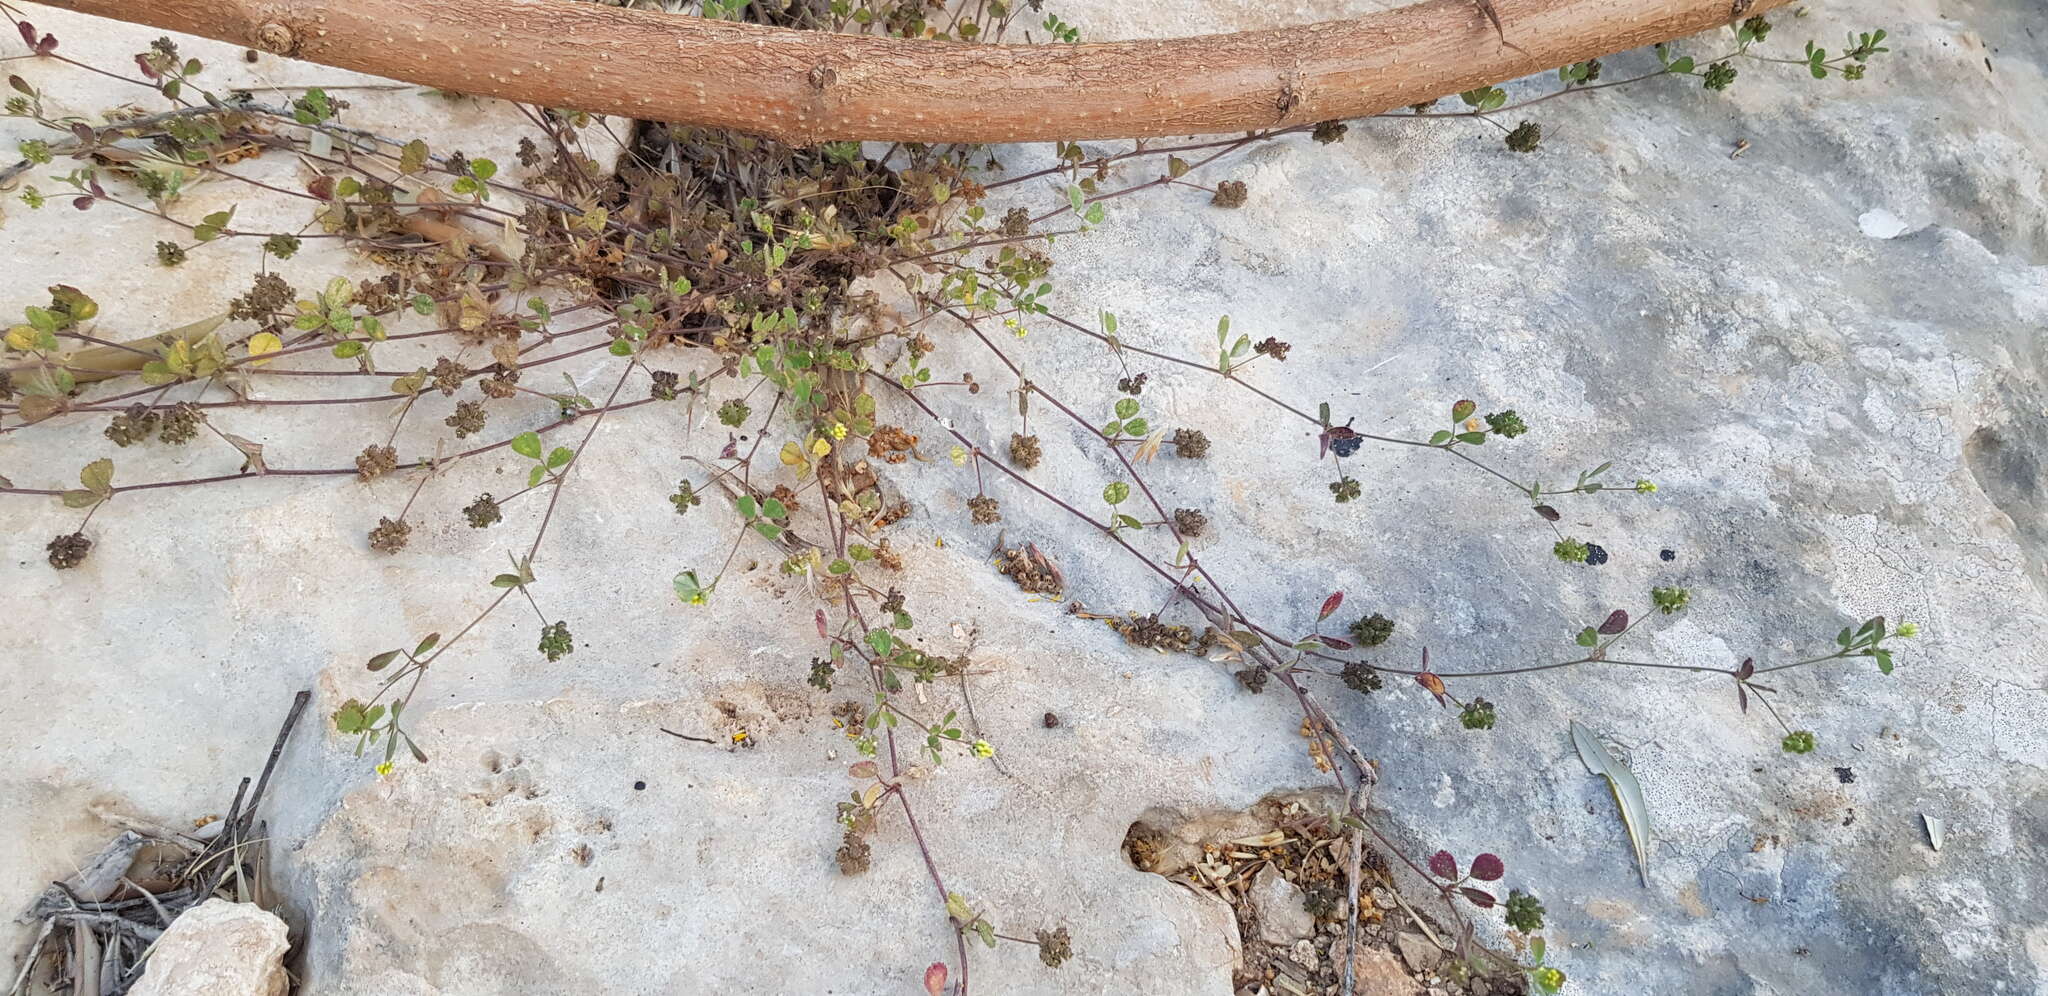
x: 474, y: 313
x: 263, y: 344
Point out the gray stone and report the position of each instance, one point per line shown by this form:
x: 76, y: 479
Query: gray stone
x: 1419, y: 952
x: 1282, y: 920
x: 1841, y: 423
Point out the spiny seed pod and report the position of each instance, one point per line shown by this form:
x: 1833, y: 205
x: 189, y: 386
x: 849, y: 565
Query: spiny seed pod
x: 1016, y: 223
x: 181, y: 424
x: 1055, y: 947
x: 482, y: 512
x: 555, y: 641
x: 1230, y: 194
x: 1273, y: 347
x: 1024, y: 451
x: 1191, y: 443
x: 499, y: 386
x: 1372, y: 630
x: 1526, y: 137
x: 135, y: 425
x: 467, y: 419
x: 68, y: 550
x: 375, y: 461
x: 664, y: 387
x: 1361, y: 678
x: 449, y: 375
x: 390, y: 535
x: 1506, y: 424
x: 853, y: 854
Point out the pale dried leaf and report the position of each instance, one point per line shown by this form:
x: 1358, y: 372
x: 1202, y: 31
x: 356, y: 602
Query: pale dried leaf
x: 1628, y: 793
x: 252, y: 454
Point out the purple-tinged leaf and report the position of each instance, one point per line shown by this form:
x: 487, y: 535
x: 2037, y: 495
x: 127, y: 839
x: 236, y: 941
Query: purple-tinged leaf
x: 1477, y: 897
x: 1617, y: 621
x: 1443, y: 864
x: 1334, y: 643
x: 1747, y: 670
x: 1548, y: 513
x: 1488, y: 867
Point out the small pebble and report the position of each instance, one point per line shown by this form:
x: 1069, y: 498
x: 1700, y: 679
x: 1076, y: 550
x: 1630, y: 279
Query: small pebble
x: 1595, y: 554
x: 1051, y: 721
x: 1667, y: 555
x: 639, y: 786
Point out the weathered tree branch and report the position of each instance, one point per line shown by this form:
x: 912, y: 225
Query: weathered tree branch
x: 804, y: 87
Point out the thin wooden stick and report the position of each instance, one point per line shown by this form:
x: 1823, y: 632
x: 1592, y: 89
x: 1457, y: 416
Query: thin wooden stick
x: 805, y: 87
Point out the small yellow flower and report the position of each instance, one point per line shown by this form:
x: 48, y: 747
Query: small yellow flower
x: 1909, y: 630
x: 983, y: 748
x: 1645, y: 487
x: 739, y: 737
x: 384, y: 770
x: 959, y: 455
x: 1016, y: 327
x: 838, y: 430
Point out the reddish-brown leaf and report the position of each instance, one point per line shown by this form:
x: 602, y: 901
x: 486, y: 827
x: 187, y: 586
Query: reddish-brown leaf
x: 1548, y: 513
x: 1747, y: 670
x: 1477, y: 897
x: 1742, y: 696
x: 1617, y: 621
x: 935, y: 979
x: 821, y: 625
x: 1332, y: 642
x: 1434, y: 684
x: 862, y: 769
x: 1330, y: 605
